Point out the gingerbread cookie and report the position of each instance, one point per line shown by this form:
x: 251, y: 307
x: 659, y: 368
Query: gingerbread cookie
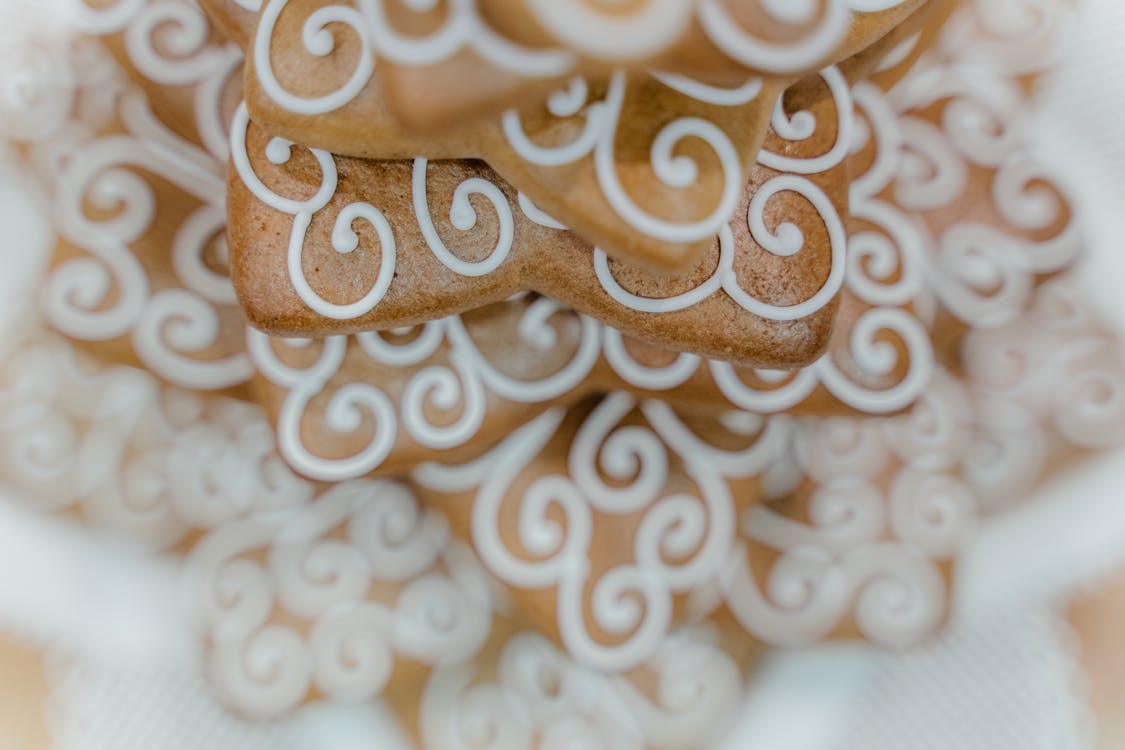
x: 439, y: 64
x: 405, y: 612
x: 888, y: 60
x: 139, y: 273
x: 524, y: 355
x: 323, y: 244
x: 912, y: 487
x: 855, y: 507
x: 140, y: 269
x: 1047, y: 388
x: 861, y: 516
x: 190, y: 73
x: 406, y: 596
x: 518, y: 48
x: 402, y: 599
x: 994, y: 219
x: 557, y: 179
x: 380, y: 402
x: 548, y: 511
x: 585, y: 158
x: 613, y: 525
x: 166, y: 462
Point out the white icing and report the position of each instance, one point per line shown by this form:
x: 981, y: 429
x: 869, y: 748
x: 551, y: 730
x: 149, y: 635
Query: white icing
x: 542, y: 698
x: 434, y: 606
x: 885, y: 272
x: 158, y: 463
x: 598, y: 138
x: 611, y: 34
x: 682, y: 540
x: 803, y: 125
x: 168, y: 43
x: 180, y: 327
x: 463, y: 216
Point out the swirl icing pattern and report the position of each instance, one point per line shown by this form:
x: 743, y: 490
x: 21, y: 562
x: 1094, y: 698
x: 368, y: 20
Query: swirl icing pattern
x: 349, y: 406
x: 629, y: 517
x: 993, y: 218
x: 878, y: 362
x: 169, y: 49
x: 861, y: 523
x: 709, y: 39
x: 373, y: 579
x: 700, y: 135
x: 168, y: 461
x: 496, y: 242
x: 343, y: 593
x: 844, y: 525
x: 140, y: 267
x: 541, y: 506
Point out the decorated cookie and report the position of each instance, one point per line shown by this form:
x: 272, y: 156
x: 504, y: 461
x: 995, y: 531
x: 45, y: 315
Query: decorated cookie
x: 888, y: 60
x: 881, y: 503
x: 139, y: 273
x: 190, y: 73
x: 509, y: 59
x: 1047, y: 387
x: 140, y: 268
x: 323, y: 244
x: 609, y: 523
x: 398, y: 597
x: 442, y: 62
x: 349, y: 406
x: 853, y: 521
x: 114, y: 447
x: 622, y: 519
x: 401, y: 611
x: 441, y: 386
x: 584, y: 158
x: 346, y: 407
x: 993, y: 218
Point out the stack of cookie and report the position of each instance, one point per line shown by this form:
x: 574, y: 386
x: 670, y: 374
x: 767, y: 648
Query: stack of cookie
x: 651, y: 320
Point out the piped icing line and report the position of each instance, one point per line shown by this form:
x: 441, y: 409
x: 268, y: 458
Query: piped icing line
x: 835, y: 568
x: 648, y: 30
x: 170, y: 45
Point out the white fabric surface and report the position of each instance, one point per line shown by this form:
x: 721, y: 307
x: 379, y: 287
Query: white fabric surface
x: 126, y: 670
